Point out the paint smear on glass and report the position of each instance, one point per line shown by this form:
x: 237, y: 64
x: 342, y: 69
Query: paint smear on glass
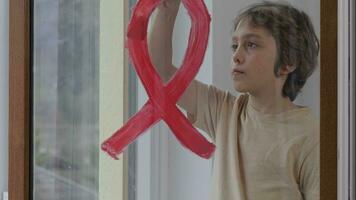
x: 163, y: 98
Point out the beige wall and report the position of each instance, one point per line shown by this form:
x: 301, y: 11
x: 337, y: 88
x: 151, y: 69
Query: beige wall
x: 111, y: 94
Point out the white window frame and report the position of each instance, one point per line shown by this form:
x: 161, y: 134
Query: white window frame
x: 346, y: 99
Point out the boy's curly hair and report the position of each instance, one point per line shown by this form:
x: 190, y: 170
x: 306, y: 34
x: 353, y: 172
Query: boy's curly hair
x: 297, y: 43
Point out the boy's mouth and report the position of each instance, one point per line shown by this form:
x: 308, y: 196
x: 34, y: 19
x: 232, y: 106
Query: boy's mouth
x: 237, y: 72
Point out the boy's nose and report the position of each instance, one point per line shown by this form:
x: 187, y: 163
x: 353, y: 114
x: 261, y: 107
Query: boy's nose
x: 238, y: 57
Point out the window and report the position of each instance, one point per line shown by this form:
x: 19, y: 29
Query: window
x: 19, y: 170
x: 78, y: 98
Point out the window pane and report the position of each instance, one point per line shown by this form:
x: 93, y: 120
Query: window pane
x: 65, y: 99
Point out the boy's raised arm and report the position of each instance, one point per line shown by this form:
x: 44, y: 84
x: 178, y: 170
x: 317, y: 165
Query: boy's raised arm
x: 160, y: 49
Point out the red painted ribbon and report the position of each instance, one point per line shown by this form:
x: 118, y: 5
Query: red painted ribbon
x: 163, y: 98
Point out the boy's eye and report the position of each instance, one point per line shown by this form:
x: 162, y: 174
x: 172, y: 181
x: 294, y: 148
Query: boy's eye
x: 251, y: 45
x: 234, y: 47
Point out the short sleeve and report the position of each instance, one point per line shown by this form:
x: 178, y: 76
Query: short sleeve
x: 209, y: 103
x: 310, y: 175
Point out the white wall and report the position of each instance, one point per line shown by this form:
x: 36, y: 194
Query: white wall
x: 4, y: 12
x: 224, y: 14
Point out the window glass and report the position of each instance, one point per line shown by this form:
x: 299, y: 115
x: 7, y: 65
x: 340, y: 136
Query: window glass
x: 65, y: 99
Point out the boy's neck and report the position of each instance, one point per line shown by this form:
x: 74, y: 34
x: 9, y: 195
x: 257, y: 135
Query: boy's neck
x: 271, y: 104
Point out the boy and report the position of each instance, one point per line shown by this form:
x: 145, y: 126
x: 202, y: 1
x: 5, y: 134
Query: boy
x: 267, y: 148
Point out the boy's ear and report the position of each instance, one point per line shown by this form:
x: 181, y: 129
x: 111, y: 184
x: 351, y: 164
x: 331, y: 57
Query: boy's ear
x: 285, y: 70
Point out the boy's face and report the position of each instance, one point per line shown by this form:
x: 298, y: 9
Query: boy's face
x: 253, y: 59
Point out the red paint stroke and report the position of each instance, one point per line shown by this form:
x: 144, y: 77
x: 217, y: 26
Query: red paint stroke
x: 163, y: 98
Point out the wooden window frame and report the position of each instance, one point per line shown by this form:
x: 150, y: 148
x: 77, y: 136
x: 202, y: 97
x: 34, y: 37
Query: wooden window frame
x: 20, y: 101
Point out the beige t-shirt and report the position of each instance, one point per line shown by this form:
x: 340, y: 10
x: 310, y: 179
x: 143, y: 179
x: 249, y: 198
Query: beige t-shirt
x: 258, y: 156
